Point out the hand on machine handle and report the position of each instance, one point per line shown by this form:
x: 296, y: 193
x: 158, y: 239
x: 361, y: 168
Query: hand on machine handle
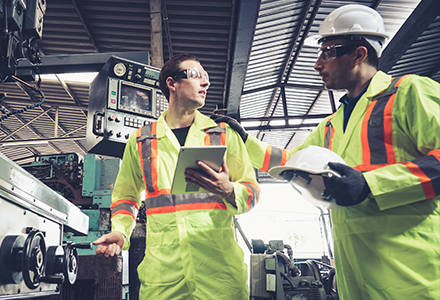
x: 349, y: 189
x: 110, y: 244
x: 231, y: 122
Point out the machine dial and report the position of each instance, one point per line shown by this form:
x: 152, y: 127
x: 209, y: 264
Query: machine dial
x: 119, y: 69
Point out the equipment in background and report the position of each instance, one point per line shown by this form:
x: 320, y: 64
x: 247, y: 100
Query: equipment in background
x: 20, y: 30
x: 87, y: 184
x: 34, y: 261
x: 124, y: 96
x: 275, y: 276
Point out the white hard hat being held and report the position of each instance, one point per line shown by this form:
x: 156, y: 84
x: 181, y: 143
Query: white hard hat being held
x: 306, y: 170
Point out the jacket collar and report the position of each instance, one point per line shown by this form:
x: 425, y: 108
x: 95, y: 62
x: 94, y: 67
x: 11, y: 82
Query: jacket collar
x: 201, y: 122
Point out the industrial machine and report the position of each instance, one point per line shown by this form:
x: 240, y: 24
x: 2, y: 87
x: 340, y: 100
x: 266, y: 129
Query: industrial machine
x: 275, y: 275
x: 86, y: 183
x: 34, y: 259
x: 124, y: 96
x: 21, y: 22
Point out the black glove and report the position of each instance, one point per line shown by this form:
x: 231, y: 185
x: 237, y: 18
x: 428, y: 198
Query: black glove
x: 349, y: 189
x: 231, y: 122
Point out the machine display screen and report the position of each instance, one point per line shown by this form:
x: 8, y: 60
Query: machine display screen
x: 135, y: 98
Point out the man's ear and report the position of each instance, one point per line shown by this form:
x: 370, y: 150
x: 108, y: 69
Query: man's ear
x: 361, y: 54
x: 170, y: 83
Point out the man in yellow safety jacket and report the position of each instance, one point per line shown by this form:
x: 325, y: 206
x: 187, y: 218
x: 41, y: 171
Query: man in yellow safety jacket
x: 191, y: 252
x: 387, y: 235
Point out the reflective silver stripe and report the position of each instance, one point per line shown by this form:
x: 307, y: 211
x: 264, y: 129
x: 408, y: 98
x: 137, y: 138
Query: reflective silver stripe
x: 276, y: 157
x: 173, y: 200
x: 130, y: 208
x: 145, y: 140
x: 215, y: 134
x: 328, y: 135
x: 255, y: 193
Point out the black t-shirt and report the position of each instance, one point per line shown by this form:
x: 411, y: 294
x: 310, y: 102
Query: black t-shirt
x: 181, y: 134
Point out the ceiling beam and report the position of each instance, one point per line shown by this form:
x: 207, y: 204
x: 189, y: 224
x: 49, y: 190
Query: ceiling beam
x: 247, y: 16
x: 288, y: 85
x: 84, y: 24
x: 417, y: 22
x: 71, y: 63
x: 267, y: 119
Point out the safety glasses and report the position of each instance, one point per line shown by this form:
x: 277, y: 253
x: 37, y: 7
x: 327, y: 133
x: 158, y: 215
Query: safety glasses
x: 334, y: 51
x: 192, y: 73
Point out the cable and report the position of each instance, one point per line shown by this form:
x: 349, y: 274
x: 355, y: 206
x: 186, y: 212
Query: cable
x: 35, y: 88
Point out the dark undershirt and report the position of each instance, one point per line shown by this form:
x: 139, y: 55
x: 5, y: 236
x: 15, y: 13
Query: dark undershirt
x: 181, y: 134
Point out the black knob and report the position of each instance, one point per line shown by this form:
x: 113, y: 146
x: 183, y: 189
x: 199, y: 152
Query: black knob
x: 137, y: 77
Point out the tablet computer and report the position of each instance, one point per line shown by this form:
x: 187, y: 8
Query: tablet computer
x: 188, y: 157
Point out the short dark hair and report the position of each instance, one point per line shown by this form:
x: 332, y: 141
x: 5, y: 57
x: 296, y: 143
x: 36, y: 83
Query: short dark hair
x: 170, y: 68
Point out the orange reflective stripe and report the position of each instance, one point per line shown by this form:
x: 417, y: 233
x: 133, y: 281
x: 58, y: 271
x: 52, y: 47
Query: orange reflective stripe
x: 283, y: 157
x: 366, y: 155
x: 401, y: 79
x: 124, y: 201
x: 267, y: 156
x: 388, y: 130
x: 223, y: 134
x: 424, y: 179
x: 124, y: 207
x: 183, y: 207
x: 207, y: 140
x: 122, y: 212
x: 158, y: 193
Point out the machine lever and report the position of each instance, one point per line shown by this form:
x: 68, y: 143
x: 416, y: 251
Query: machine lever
x: 58, y: 279
x: 83, y: 245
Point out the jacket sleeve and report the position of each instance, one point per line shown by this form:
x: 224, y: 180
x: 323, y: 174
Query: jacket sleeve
x: 241, y: 173
x: 416, y: 126
x: 126, y: 196
x: 264, y: 156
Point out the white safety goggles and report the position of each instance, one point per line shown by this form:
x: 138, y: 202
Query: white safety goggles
x: 192, y: 73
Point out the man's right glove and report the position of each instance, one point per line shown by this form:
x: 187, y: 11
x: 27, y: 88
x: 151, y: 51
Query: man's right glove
x: 233, y: 123
x: 349, y: 189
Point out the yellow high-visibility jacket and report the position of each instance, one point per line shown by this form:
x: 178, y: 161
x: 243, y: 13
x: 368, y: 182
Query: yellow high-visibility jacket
x: 388, y: 246
x: 191, y: 252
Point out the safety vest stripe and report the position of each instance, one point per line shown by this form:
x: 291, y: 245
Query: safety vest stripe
x: 366, y: 155
x: 329, y: 132
x: 139, y: 148
x: 186, y: 207
x: 215, y: 135
x: 427, y: 170
x: 170, y: 200
x: 274, y: 157
x: 223, y: 134
x: 125, y: 201
x: 377, y: 128
x: 253, y: 191
x: 122, y: 213
x: 148, y: 152
x: 125, y: 209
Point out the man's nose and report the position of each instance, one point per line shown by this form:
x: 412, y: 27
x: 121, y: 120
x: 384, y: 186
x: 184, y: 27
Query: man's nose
x: 318, y: 65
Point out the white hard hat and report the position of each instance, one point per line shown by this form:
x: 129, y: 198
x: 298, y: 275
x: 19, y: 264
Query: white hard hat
x: 309, y: 165
x: 354, y: 20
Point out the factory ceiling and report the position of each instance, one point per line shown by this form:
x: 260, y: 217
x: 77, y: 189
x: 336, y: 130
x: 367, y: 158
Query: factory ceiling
x: 260, y: 68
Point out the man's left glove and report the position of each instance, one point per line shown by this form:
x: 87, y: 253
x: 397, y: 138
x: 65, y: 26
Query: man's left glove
x: 349, y: 189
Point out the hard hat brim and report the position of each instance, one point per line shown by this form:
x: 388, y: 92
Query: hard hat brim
x: 276, y: 172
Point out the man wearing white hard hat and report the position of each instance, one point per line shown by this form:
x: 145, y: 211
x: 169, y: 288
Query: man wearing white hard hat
x: 387, y: 131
